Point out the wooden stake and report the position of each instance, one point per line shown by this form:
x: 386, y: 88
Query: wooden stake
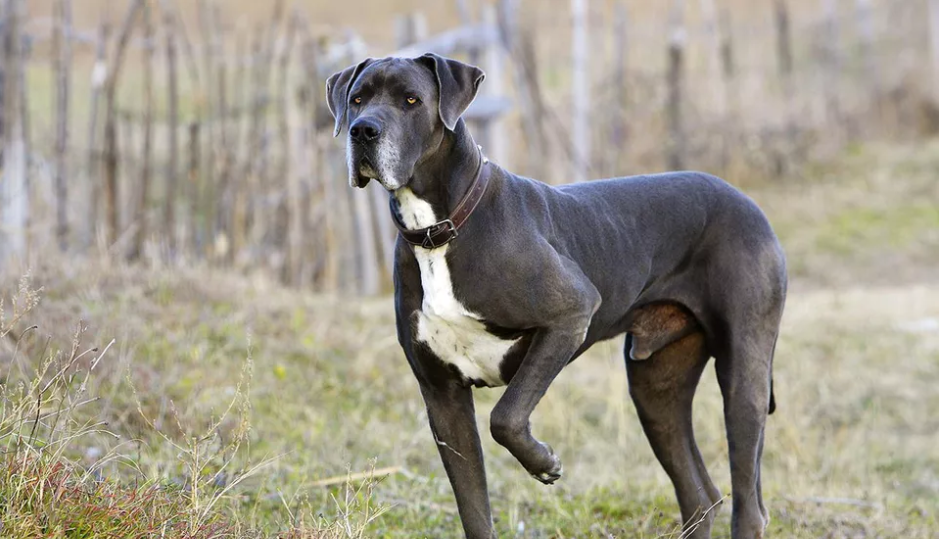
x: 289, y: 182
x: 319, y: 167
x: 147, y: 158
x: 784, y: 48
x: 254, y: 164
x: 933, y: 16
x: 676, y: 143
x: 619, y: 127
x: 222, y: 194
x: 98, y: 79
x: 63, y: 61
x: 192, y: 187
x: 110, y: 129
x: 241, y: 153
x: 172, y: 166
x: 518, y: 39
x: 14, y: 194
x: 495, y: 145
x: 580, y: 90
x: 207, y: 179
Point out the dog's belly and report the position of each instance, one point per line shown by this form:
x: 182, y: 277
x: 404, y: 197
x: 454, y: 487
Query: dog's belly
x: 455, y: 334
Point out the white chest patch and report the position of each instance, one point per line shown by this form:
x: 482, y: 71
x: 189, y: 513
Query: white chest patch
x: 456, y: 335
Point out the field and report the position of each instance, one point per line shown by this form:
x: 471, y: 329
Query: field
x: 230, y: 406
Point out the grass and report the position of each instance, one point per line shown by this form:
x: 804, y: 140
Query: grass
x: 64, y: 472
x: 871, y: 216
x: 231, y: 407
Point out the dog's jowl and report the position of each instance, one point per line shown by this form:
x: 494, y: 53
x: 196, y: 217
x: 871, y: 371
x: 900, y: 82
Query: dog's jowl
x: 504, y: 280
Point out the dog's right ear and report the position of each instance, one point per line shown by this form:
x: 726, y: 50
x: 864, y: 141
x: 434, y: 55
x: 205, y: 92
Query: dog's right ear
x: 337, y: 92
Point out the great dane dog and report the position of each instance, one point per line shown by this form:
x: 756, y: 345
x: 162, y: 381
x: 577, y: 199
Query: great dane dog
x: 504, y: 280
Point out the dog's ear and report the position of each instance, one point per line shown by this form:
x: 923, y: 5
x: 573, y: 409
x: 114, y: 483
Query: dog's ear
x: 457, y: 85
x: 337, y: 92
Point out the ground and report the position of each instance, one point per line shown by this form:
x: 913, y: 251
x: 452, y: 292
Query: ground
x: 850, y: 452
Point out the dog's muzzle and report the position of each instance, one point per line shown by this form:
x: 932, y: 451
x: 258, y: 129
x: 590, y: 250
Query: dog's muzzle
x: 364, y: 140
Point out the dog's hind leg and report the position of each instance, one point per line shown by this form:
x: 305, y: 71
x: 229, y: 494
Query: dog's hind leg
x: 751, y: 306
x: 662, y: 389
x: 743, y: 300
x: 744, y: 378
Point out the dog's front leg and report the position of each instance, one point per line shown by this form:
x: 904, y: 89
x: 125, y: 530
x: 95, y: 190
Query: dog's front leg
x: 450, y: 410
x: 453, y: 424
x: 550, y: 351
x: 567, y: 303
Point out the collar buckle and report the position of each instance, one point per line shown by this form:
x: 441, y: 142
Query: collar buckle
x: 431, y: 232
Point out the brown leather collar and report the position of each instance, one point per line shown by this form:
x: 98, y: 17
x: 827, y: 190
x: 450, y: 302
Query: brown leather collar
x: 443, y: 232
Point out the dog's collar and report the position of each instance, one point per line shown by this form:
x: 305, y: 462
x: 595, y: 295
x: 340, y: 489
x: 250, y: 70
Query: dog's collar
x: 443, y: 232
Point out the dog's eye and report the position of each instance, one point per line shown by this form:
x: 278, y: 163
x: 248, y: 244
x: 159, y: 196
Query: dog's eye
x: 357, y: 100
x: 411, y: 99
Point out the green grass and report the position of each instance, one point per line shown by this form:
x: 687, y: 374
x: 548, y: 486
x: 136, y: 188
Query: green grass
x: 234, y: 404
x: 846, y: 232
x: 871, y: 215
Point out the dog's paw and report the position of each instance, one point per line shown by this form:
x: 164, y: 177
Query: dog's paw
x: 548, y: 478
x: 554, y: 472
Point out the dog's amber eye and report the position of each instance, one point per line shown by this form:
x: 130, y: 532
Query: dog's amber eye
x: 411, y: 100
x: 357, y: 100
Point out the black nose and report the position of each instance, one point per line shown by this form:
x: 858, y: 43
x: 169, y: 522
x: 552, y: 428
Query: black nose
x: 365, y: 130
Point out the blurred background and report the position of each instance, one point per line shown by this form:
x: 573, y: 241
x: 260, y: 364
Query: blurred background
x: 196, y: 333
x: 197, y: 132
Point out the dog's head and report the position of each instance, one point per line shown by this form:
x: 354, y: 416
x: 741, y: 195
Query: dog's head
x: 397, y: 110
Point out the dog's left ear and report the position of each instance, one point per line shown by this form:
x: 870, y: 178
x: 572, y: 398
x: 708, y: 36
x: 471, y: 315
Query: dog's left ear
x: 337, y: 92
x: 457, y: 85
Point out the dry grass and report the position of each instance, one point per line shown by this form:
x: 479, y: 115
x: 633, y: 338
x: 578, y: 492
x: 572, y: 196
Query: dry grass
x: 56, y: 449
x: 851, y: 450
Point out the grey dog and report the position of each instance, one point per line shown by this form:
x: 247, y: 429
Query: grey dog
x: 503, y: 280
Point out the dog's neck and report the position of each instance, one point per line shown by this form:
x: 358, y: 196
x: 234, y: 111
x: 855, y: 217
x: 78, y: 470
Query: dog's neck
x: 442, y: 180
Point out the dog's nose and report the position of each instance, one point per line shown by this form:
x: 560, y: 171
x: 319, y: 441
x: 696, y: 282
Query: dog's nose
x: 365, y: 130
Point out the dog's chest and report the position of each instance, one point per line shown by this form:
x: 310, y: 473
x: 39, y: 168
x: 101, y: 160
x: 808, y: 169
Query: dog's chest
x: 455, y: 334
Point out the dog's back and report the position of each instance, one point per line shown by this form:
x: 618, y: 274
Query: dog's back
x: 638, y: 237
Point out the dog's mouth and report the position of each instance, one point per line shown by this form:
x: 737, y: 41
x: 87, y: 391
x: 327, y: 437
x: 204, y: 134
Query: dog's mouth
x: 365, y: 171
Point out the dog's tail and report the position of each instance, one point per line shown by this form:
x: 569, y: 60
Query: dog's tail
x: 773, y: 403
